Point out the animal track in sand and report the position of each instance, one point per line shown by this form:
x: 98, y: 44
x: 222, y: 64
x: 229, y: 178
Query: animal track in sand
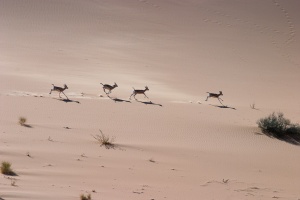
x: 249, y: 190
x: 231, y: 22
x: 141, y: 190
x: 149, y: 3
x: 45, y: 95
x: 228, y: 21
x: 291, y: 33
x: 24, y: 94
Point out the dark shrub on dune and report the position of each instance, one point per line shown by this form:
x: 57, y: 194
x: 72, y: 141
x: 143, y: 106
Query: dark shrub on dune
x: 277, y: 126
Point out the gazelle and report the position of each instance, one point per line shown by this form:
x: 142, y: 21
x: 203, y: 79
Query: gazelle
x: 135, y: 92
x: 59, y: 90
x: 214, y: 95
x: 108, y: 87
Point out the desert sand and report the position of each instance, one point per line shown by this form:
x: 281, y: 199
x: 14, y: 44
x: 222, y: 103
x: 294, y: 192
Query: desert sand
x: 174, y: 145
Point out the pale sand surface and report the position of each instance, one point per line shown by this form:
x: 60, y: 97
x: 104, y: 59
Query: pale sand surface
x: 178, y: 146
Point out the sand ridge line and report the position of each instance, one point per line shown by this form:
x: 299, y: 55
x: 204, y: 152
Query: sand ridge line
x: 75, y: 95
x: 102, y: 97
x: 46, y: 95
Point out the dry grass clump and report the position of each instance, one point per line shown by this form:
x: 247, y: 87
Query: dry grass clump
x: 87, y: 197
x: 6, y: 169
x: 13, y: 182
x: 252, y: 106
x: 22, y: 121
x: 105, y: 140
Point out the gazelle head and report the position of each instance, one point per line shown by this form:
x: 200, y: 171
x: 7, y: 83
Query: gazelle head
x: 115, y: 85
x: 66, y: 87
x: 221, y: 93
x: 146, y: 88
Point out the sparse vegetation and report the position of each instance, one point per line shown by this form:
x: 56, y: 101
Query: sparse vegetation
x: 50, y: 139
x: 28, y: 154
x: 275, y: 125
x: 225, y: 180
x: 85, y: 197
x: 6, y: 169
x: 22, y: 121
x: 105, y: 140
x: 252, y: 106
x: 13, y: 182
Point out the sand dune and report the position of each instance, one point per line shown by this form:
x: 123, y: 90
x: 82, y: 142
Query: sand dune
x: 174, y: 145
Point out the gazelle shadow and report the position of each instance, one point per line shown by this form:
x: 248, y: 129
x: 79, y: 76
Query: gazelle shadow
x: 223, y: 106
x: 27, y: 126
x: 118, y: 99
x: 68, y: 101
x: 149, y: 103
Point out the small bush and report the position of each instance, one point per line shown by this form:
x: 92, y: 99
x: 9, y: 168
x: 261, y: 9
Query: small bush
x: 22, y: 121
x: 6, y: 169
x: 278, y: 126
x: 87, y: 197
x: 105, y: 140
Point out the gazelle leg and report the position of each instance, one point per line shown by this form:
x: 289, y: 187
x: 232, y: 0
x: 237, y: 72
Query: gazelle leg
x: 206, y: 98
x: 50, y: 91
x: 65, y: 95
x: 146, y: 95
x: 220, y: 101
x: 131, y: 95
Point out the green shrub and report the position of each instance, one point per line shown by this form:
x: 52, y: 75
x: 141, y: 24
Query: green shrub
x: 6, y: 169
x: 277, y: 126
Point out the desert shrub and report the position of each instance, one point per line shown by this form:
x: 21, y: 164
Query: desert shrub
x: 6, y: 169
x: 278, y: 126
x: 105, y: 140
x: 22, y: 121
x: 87, y: 197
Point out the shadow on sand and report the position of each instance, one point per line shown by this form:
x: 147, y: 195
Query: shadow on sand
x: 118, y: 100
x: 149, y: 103
x: 115, y: 146
x: 68, y: 100
x: 27, y: 126
x: 292, y: 139
x: 223, y: 106
x: 10, y: 173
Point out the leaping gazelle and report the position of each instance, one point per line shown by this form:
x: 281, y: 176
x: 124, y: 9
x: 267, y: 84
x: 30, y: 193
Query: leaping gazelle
x: 59, y: 90
x: 214, y: 95
x: 135, y: 92
x: 108, y: 87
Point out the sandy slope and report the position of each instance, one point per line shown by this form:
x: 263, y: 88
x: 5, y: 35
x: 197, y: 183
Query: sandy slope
x: 178, y: 145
